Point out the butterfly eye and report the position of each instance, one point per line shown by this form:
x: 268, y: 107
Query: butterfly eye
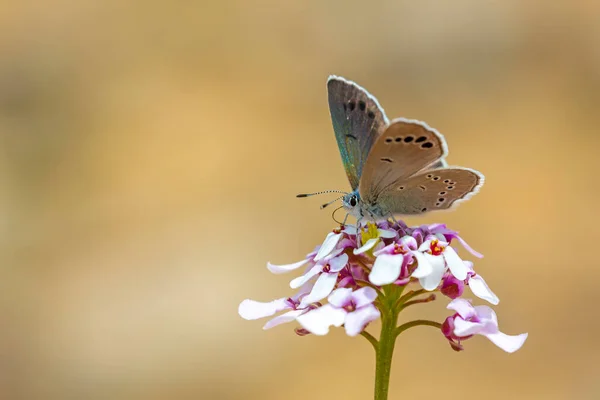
x: 353, y: 201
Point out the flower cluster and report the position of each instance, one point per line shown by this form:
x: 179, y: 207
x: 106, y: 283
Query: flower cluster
x: 352, y: 270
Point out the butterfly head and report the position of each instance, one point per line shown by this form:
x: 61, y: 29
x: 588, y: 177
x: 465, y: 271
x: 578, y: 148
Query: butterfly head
x: 351, y: 203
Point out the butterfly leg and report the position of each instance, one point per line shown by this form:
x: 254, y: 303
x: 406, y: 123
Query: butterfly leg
x: 358, y: 232
x: 345, y: 219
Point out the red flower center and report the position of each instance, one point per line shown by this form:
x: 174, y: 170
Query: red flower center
x: 398, y: 249
x: 435, y: 248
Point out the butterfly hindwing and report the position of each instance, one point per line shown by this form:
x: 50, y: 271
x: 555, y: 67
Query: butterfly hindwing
x: 358, y: 121
x: 430, y: 190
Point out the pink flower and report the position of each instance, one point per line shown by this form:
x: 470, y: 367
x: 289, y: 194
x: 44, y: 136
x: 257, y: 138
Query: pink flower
x: 479, y: 287
x: 435, y: 257
x: 325, y: 265
x: 251, y: 309
x: 449, y: 235
x: 392, y: 261
x: 354, y: 310
x: 327, y: 271
x: 452, y: 287
x: 392, y: 254
x: 478, y: 320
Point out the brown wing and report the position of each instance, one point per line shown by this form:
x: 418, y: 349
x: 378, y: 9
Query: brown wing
x: 405, y: 148
x: 431, y: 190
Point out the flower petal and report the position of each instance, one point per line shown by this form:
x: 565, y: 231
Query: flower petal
x: 283, y: 318
x: 340, y: 297
x: 452, y: 287
x: 356, y: 321
x: 282, y: 269
x: 417, y: 235
x: 366, y: 247
x: 464, y: 328
x: 467, y: 247
x: 323, y: 287
x: 424, y: 268
x: 386, y: 269
x: 384, y: 250
x: 251, y: 309
x: 425, y: 245
x: 301, y: 280
x: 463, y: 307
x: 328, y: 245
x: 450, y: 235
x: 438, y: 267
x: 455, y: 264
x: 409, y: 242
x: 481, y: 289
x: 304, y: 289
x: 338, y: 263
x: 508, y: 343
x: 387, y: 233
x: 364, y: 296
x: 336, y: 252
x: 350, y: 229
x: 485, y: 313
x: 319, y: 320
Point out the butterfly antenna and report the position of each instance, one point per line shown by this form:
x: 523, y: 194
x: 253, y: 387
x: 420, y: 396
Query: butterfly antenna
x: 331, y: 202
x: 323, y: 192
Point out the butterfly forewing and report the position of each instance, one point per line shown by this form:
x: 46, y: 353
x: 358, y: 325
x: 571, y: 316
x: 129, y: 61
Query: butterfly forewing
x: 431, y: 190
x: 405, y: 148
x: 358, y: 120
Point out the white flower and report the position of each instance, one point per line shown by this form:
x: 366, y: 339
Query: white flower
x: 251, y: 309
x: 354, y: 310
x: 392, y: 261
x: 479, y: 320
x: 328, y: 275
x: 479, y: 287
x: 434, y: 256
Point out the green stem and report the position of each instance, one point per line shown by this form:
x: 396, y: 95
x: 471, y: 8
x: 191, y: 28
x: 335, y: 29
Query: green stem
x: 384, y: 353
x: 387, y: 340
x: 417, y: 322
x: 408, y: 296
x: 428, y: 299
x: 390, y: 305
x: 371, y: 339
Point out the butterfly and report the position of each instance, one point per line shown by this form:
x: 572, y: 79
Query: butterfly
x: 394, y: 167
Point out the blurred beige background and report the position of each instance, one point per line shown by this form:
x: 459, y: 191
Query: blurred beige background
x: 149, y: 157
